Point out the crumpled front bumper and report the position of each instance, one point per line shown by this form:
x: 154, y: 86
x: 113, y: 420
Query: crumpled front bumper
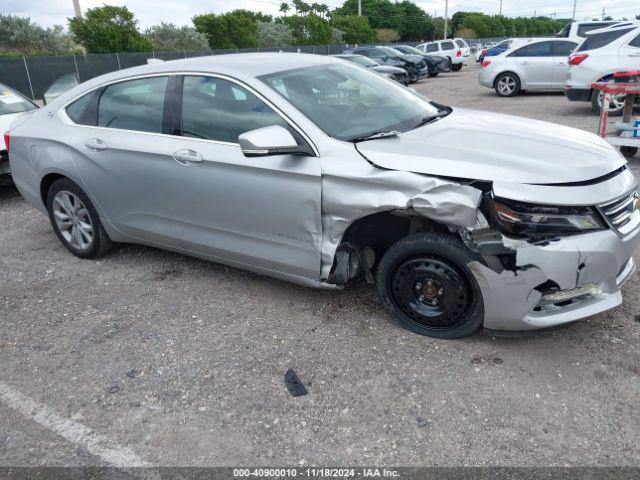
x: 601, y: 262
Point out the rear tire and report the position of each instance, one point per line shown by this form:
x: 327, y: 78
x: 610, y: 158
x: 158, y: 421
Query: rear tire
x: 596, y: 104
x: 456, y: 67
x: 75, y: 220
x: 507, y: 85
x: 425, y: 284
x: 629, y: 152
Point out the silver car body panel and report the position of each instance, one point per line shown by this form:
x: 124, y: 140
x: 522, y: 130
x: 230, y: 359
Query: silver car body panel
x: 285, y: 215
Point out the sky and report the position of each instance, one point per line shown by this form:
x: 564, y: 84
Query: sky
x: 179, y: 12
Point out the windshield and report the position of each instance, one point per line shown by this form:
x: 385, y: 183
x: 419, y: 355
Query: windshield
x: 362, y: 60
x: 391, y: 51
x: 12, y: 102
x: 412, y: 50
x: 348, y: 102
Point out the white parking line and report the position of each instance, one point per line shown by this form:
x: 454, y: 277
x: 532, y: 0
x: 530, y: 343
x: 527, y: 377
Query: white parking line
x: 98, y: 444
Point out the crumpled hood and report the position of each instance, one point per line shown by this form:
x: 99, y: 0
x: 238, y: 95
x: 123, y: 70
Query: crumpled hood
x: 495, y: 147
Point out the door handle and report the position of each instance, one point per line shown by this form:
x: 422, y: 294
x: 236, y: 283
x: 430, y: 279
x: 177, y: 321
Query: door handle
x: 95, y: 144
x: 187, y: 157
x: 524, y: 63
x: 561, y: 64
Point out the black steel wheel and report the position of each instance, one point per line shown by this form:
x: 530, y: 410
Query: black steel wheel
x: 425, y: 283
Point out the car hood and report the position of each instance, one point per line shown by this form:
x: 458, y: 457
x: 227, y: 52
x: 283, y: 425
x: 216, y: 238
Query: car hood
x: 411, y: 58
x: 495, y: 147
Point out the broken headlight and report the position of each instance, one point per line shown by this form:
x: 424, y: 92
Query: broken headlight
x: 530, y: 220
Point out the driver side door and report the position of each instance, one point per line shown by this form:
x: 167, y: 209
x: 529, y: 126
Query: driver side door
x: 259, y: 211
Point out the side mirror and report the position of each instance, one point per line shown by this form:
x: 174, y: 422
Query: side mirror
x: 273, y: 140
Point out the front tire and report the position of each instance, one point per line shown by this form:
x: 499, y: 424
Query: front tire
x: 433, y: 74
x: 507, y: 85
x: 425, y: 284
x: 75, y: 220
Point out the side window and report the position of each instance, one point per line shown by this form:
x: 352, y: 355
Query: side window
x: 564, y: 49
x: 447, y: 45
x: 216, y: 109
x: 542, y: 49
x: 432, y: 47
x: 635, y: 42
x: 375, y: 53
x: 133, y: 105
x: 77, y: 109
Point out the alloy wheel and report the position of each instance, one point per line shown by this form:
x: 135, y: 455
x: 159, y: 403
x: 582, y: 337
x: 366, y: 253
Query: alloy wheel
x: 507, y: 85
x: 73, y: 220
x: 617, y: 101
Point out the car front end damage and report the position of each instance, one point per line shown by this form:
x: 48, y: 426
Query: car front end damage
x: 568, y: 269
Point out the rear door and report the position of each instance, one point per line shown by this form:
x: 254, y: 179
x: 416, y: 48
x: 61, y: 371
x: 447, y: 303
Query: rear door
x: 535, y: 64
x: 124, y: 157
x: 561, y: 51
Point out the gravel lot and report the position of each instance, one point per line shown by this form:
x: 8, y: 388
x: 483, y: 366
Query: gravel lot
x: 176, y: 361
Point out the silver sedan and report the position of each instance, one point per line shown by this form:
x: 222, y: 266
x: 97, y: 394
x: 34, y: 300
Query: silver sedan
x: 317, y: 171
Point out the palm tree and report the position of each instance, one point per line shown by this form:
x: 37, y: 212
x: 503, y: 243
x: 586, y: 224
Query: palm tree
x: 284, y: 8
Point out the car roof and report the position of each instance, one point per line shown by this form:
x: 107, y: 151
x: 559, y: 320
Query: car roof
x: 238, y: 65
x: 614, y: 27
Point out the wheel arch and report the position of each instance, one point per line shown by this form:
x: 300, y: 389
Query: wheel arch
x: 47, y: 181
x: 513, y: 72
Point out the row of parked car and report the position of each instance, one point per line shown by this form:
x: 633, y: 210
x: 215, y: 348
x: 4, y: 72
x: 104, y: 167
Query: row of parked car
x: 583, y: 53
x: 408, y: 64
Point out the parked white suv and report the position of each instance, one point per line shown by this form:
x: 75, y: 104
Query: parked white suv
x: 598, y: 57
x: 444, y: 48
x: 577, y: 31
x: 464, y: 47
x: 538, y: 64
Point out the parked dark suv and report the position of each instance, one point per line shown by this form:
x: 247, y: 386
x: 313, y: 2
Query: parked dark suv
x: 435, y: 63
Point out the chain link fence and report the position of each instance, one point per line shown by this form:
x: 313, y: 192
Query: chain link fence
x: 32, y: 76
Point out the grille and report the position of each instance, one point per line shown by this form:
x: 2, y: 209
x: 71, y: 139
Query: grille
x: 621, y: 214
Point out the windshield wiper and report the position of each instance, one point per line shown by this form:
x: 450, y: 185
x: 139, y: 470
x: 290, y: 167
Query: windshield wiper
x: 431, y: 118
x: 376, y: 135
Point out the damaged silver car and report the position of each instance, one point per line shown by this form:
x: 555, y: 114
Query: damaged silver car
x: 316, y: 171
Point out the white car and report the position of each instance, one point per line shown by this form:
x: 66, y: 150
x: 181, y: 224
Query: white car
x: 444, y: 48
x: 601, y: 54
x: 577, y: 31
x: 540, y: 64
x: 12, y: 104
x: 464, y: 46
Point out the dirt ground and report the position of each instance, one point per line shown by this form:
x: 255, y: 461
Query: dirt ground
x: 148, y: 357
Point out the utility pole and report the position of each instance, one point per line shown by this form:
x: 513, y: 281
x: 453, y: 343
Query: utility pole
x: 359, y: 8
x: 574, y: 10
x: 76, y: 8
x: 446, y: 18
x: 500, y: 8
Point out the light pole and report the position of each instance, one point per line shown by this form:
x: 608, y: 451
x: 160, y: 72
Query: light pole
x: 574, y: 10
x: 500, y: 8
x: 76, y: 8
x: 446, y: 18
x: 359, y: 8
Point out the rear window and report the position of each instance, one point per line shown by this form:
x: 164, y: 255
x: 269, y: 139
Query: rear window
x: 588, y: 27
x: 447, y: 46
x: 460, y: 43
x: 13, y: 102
x: 599, y: 40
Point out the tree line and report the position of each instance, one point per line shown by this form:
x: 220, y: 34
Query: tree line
x: 109, y: 29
